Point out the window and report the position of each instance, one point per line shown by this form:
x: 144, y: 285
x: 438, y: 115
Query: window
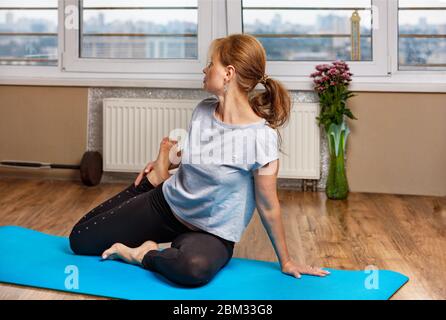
x: 422, y: 35
x: 311, y: 30
x: 390, y: 45
x: 28, y: 33
x: 146, y: 36
x: 299, y: 34
x: 139, y: 30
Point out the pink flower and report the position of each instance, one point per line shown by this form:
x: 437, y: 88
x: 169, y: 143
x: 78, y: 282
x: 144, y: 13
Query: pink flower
x: 346, y: 75
x: 333, y: 71
x: 330, y: 75
x: 339, y: 63
x: 322, y: 67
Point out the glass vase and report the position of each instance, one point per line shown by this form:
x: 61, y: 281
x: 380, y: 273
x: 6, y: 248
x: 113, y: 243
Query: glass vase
x: 337, y: 184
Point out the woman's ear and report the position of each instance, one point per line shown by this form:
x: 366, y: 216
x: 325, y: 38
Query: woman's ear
x: 230, y: 71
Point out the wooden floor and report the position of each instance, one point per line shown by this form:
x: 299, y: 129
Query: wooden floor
x: 398, y: 232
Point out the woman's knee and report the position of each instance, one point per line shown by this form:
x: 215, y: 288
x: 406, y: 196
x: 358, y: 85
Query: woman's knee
x: 198, y: 270
x: 74, y: 244
x: 78, y: 243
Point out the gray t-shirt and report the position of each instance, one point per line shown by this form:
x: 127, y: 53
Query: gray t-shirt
x: 213, y: 188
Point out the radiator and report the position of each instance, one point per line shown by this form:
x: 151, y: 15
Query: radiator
x: 133, y: 129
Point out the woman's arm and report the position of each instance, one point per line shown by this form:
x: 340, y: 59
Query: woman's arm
x: 268, y: 206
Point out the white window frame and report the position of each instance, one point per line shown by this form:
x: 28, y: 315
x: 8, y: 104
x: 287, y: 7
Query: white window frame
x: 171, y: 76
x: 378, y: 67
x: 71, y: 62
x: 27, y: 74
x: 410, y: 80
x: 394, y: 81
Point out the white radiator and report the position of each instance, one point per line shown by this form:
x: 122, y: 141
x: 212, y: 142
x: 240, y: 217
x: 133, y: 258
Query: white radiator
x: 133, y: 129
x: 301, y: 141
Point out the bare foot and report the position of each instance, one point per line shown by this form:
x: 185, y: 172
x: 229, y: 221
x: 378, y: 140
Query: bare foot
x: 162, y: 163
x: 127, y: 254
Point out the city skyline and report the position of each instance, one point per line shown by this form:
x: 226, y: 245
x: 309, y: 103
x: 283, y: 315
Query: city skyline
x: 412, y: 49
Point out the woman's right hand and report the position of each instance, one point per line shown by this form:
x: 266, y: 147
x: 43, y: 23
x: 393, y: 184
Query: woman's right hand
x: 144, y: 172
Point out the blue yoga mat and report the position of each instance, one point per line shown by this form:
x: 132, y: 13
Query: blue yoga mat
x: 36, y: 259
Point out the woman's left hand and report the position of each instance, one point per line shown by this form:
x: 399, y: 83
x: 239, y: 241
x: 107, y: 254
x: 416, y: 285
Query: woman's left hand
x: 296, y: 270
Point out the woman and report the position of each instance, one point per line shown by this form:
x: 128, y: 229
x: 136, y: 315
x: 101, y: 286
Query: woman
x: 205, y: 206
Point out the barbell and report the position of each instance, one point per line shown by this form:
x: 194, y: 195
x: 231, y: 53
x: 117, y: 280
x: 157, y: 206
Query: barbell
x: 90, y: 167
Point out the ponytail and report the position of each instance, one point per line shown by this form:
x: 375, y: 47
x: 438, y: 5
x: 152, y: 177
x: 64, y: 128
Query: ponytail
x: 273, y: 104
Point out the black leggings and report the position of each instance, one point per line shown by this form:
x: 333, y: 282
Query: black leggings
x: 141, y: 213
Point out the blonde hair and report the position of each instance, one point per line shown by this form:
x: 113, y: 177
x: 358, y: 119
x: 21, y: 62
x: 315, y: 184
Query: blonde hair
x: 248, y: 57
